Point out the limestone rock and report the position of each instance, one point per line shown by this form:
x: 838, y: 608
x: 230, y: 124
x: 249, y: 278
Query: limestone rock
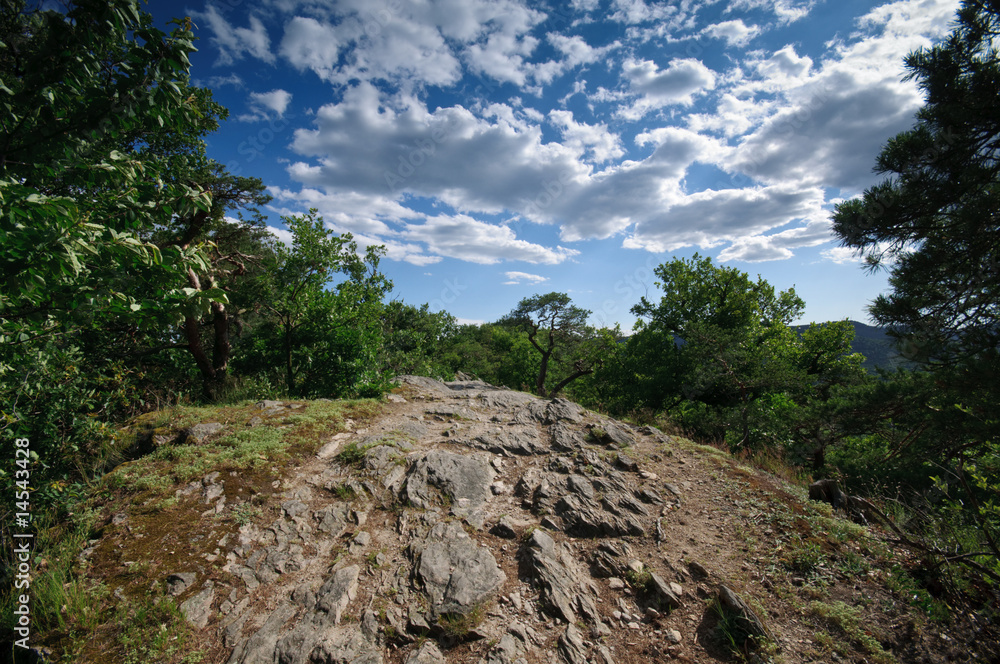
x: 464, y: 480
x: 521, y: 442
x: 457, y: 574
x: 179, y: 582
x: 428, y: 653
x: 749, y: 623
x: 198, y: 609
x: 200, y: 432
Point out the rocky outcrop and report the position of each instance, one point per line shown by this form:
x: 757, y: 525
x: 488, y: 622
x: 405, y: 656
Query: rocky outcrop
x: 468, y: 514
x: 458, y: 575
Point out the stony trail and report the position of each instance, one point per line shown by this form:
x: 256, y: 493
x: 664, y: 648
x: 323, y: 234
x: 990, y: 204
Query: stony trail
x: 469, y: 523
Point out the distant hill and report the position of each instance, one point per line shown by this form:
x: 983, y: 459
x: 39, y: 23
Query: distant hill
x: 878, y: 347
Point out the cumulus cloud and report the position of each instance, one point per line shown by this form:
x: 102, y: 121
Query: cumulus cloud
x: 786, y: 11
x: 235, y: 43
x: 841, y: 255
x: 734, y: 33
x: 834, y: 117
x: 778, y: 246
x: 516, y: 278
x: 595, y: 141
x: 676, y: 85
x: 475, y: 241
x: 266, y: 105
x: 708, y: 218
x: 788, y: 128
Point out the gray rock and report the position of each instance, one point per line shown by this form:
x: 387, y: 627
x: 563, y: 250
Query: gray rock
x: 665, y: 595
x: 504, y: 528
x: 428, y: 653
x: 615, y: 436
x: 626, y: 463
x: 178, y: 582
x: 260, y: 648
x: 448, y: 413
x: 505, y: 400
x: 506, y: 651
x: 557, y: 581
x: 334, y: 595
x: 457, y: 574
x: 749, y: 624
x: 316, y: 635
x: 522, y: 442
x: 464, y: 480
x: 566, y: 438
x: 424, y: 384
x: 571, y: 648
x: 342, y: 645
x: 199, y: 432
x: 563, y: 409
x: 198, y: 609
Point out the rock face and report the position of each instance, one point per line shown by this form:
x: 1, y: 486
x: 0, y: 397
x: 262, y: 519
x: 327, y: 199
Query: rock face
x: 458, y: 575
x: 470, y: 524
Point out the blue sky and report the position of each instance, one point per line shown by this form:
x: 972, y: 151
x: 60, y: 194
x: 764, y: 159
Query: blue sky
x: 502, y: 148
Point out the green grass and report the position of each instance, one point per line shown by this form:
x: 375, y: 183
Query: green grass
x: 353, y: 454
x: 456, y: 626
x: 850, y: 623
x: 245, y: 513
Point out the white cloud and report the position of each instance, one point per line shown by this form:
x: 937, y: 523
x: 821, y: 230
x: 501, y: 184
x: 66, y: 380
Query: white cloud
x: 593, y: 140
x: 367, y: 146
x: 234, y: 43
x: 283, y: 234
x: 786, y: 11
x: 309, y: 44
x: 677, y: 84
x: 735, y: 33
x: 266, y: 105
x: 841, y: 255
x: 830, y: 120
x: 779, y: 246
x: 708, y: 218
x: 516, y: 278
x: 475, y: 241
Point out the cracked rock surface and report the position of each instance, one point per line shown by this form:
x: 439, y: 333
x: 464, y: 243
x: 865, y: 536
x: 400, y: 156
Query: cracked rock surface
x: 471, y: 523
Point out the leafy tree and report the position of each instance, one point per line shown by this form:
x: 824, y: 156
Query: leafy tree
x: 934, y: 223
x: 108, y: 209
x: 327, y: 332
x: 412, y: 340
x: 724, y: 339
x: 559, y: 332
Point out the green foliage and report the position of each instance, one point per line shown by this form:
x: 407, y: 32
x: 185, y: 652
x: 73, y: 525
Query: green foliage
x: 325, y: 333
x: 717, y: 353
x: 933, y: 223
x: 413, y: 341
x: 558, y: 331
x: 496, y: 354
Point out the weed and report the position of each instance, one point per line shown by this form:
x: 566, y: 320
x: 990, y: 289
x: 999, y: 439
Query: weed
x: 804, y: 557
x: 456, y: 626
x: 344, y: 492
x: 245, y: 513
x: 904, y: 584
x: 640, y: 580
x: 352, y: 454
x: 732, y: 630
x: 848, y: 620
